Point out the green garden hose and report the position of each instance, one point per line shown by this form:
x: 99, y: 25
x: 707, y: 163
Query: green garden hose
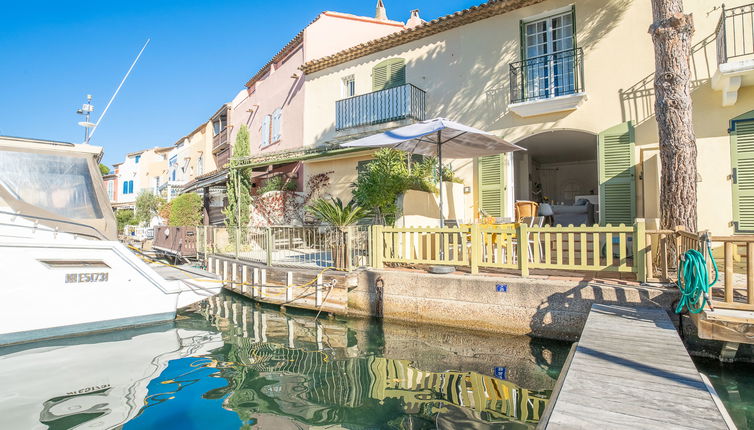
x: 693, y: 280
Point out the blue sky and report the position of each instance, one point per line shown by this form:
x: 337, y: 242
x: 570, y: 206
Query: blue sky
x: 56, y: 52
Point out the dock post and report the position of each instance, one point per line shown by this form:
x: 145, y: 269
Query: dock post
x: 476, y: 249
x: 233, y: 274
x: 255, y: 283
x: 210, y: 264
x: 640, y: 249
x: 289, y: 287
x: 244, y: 279
x: 225, y: 271
x: 523, y: 249
x: 318, y: 292
x: 263, y: 283
x: 217, y: 266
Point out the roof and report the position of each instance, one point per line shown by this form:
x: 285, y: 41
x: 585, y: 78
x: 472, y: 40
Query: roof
x: 298, y: 38
x: 214, y: 177
x: 444, y: 23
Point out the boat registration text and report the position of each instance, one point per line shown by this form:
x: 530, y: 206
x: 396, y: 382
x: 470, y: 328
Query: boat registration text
x: 85, y: 277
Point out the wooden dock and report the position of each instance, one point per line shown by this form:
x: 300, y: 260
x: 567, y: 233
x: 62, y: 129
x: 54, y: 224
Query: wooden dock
x: 631, y: 370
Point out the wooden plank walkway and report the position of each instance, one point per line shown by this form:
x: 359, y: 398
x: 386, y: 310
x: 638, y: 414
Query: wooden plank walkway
x: 631, y: 370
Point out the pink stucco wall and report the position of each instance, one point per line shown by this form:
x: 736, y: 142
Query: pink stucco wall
x: 335, y: 31
x: 330, y: 33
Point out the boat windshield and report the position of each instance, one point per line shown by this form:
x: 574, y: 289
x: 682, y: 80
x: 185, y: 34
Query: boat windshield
x: 56, y: 183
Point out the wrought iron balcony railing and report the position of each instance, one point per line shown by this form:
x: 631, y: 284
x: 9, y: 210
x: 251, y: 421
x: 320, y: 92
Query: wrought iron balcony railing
x: 547, y: 76
x: 391, y: 104
x: 735, y: 33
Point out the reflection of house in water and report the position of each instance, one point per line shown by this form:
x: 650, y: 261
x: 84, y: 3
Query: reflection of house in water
x: 311, y: 372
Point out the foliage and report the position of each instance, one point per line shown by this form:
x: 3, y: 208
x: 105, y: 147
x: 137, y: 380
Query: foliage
x: 388, y: 176
x: 287, y: 207
x: 334, y: 213
x: 239, y: 182
x: 186, y: 210
x: 147, y: 206
x: 277, y: 183
x: 104, y: 170
x: 124, y: 217
x: 164, y: 210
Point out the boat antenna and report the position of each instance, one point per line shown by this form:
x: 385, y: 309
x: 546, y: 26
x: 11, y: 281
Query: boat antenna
x: 117, y: 89
x: 86, y: 110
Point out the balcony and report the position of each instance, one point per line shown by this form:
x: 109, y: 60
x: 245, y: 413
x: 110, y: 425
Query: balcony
x: 734, y: 38
x: 220, y: 140
x: 548, y: 83
x: 380, y: 107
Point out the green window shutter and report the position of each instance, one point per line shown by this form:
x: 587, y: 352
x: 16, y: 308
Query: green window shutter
x: 742, y: 161
x: 616, y: 168
x: 492, y: 185
x: 389, y: 73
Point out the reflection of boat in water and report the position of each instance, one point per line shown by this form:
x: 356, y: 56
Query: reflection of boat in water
x: 65, y: 271
x: 95, y: 382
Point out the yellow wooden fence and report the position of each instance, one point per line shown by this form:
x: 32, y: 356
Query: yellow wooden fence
x: 583, y: 248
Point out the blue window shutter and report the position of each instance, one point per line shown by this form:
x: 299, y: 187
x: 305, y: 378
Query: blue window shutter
x: 125, y: 187
x: 266, y: 130
x: 130, y: 187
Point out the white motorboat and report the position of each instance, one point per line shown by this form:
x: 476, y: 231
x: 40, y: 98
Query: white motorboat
x: 95, y: 382
x: 63, y: 270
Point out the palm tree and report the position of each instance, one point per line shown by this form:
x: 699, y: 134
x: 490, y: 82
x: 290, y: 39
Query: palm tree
x: 333, y: 212
x: 340, y: 216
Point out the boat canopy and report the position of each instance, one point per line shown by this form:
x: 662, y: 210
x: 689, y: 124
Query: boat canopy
x: 56, y: 184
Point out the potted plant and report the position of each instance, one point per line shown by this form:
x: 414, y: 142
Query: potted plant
x: 334, y: 213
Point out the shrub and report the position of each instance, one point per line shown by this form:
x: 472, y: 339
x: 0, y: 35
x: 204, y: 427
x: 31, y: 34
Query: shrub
x: 334, y: 213
x: 147, y: 206
x: 124, y: 217
x: 277, y: 183
x: 186, y: 210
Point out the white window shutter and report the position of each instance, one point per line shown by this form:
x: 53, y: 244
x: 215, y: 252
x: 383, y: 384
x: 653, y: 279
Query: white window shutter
x: 276, y: 124
x: 266, y: 130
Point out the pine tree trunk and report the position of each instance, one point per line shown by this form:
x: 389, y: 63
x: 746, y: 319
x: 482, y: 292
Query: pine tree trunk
x: 671, y: 32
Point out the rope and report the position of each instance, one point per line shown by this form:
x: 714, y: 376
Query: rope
x: 693, y: 281
x: 232, y: 282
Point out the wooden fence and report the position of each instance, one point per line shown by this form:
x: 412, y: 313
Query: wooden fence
x: 584, y: 248
x: 738, y: 291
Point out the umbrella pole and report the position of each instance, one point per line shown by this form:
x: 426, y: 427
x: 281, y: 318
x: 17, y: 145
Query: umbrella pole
x: 439, y: 171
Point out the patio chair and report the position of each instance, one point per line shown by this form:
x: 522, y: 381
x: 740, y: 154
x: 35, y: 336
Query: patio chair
x: 525, y: 209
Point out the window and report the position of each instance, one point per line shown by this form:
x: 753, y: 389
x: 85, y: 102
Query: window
x: 137, y: 158
x: 219, y: 124
x: 348, y: 87
x: 277, y: 118
x: 388, y: 74
x: 125, y: 187
x: 200, y: 165
x: 110, y: 189
x: 173, y: 167
x: 548, y: 48
x: 266, y: 130
x: 130, y: 187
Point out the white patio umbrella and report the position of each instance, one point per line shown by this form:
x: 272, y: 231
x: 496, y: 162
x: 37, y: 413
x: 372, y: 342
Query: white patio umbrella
x: 438, y: 137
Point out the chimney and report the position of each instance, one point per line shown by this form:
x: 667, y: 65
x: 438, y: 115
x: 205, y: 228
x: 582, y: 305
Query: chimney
x: 380, y: 11
x: 414, y: 20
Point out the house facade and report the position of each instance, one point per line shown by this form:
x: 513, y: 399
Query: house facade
x: 137, y: 173
x: 271, y: 106
x: 111, y: 186
x: 190, y: 157
x: 570, y: 81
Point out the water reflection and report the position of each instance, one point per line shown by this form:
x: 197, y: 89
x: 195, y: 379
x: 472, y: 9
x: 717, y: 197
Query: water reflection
x: 232, y: 364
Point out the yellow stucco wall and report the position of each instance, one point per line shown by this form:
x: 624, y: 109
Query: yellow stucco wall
x: 465, y: 73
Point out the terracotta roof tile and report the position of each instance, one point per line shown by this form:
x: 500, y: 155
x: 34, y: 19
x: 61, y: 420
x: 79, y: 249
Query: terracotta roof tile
x: 444, y: 23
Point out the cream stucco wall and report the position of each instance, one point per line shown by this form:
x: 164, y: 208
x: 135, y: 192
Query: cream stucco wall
x: 465, y: 73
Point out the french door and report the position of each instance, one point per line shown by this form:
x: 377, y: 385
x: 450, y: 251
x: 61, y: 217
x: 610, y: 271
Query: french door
x: 549, y: 57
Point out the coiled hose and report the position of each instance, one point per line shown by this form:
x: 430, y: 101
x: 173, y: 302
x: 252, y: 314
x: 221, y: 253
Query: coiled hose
x: 693, y: 280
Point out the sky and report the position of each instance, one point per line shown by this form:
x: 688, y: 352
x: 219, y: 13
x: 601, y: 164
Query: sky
x: 201, y: 54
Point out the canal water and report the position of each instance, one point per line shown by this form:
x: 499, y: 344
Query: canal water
x: 734, y: 383
x: 229, y: 363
